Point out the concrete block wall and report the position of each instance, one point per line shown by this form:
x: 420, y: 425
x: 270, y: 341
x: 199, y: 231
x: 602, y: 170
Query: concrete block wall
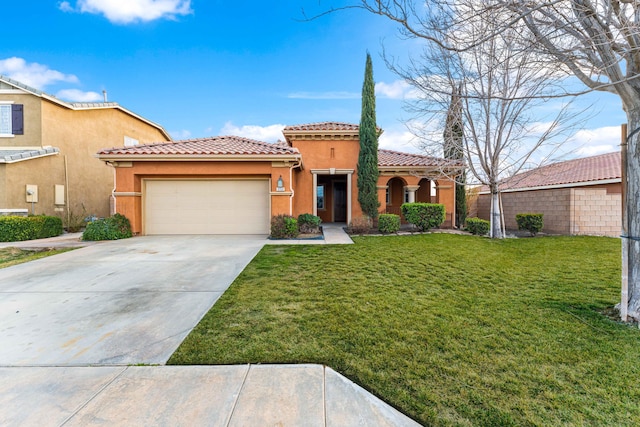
x: 597, y: 212
x: 585, y: 211
x: 554, y: 204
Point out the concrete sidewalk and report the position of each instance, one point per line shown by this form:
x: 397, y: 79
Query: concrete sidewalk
x: 67, y: 240
x: 246, y: 395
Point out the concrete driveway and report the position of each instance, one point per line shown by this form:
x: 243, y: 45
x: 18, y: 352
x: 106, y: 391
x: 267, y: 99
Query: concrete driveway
x: 115, y: 303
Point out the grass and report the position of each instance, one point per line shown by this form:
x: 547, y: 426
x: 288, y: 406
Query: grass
x: 451, y: 330
x: 13, y: 256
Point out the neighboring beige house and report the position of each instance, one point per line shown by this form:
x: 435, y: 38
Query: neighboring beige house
x: 47, y: 151
x: 581, y: 196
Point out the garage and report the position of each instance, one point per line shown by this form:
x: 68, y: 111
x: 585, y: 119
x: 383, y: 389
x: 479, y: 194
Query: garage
x: 239, y: 206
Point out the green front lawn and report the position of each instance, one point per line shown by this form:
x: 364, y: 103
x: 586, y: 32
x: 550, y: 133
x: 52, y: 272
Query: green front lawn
x: 13, y: 256
x: 450, y: 329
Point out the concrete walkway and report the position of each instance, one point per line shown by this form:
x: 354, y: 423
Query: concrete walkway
x: 333, y: 234
x: 70, y: 340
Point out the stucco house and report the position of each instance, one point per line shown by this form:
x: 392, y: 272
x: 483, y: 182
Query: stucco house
x: 48, y: 146
x: 581, y: 196
x: 234, y: 185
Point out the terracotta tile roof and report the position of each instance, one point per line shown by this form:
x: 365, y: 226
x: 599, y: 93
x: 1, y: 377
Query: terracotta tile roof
x: 587, y: 169
x: 323, y: 126
x: 389, y: 158
x: 219, y: 145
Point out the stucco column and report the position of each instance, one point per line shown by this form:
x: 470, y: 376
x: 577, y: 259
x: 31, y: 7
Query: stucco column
x: 315, y: 193
x: 382, y: 197
x: 411, y: 189
x: 349, y: 178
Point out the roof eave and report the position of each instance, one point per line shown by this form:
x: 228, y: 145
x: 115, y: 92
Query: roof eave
x: 433, y: 168
x: 198, y: 157
x: 24, y: 159
x: 70, y: 106
x: 560, y: 186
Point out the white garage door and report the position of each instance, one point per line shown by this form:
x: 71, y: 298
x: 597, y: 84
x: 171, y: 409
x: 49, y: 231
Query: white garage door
x: 207, y: 207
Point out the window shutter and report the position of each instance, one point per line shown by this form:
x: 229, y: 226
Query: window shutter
x: 17, y: 119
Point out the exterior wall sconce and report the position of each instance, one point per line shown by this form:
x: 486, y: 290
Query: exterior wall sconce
x: 280, y: 184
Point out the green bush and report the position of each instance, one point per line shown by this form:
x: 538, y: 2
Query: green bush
x: 532, y: 222
x: 308, y: 223
x: 113, y: 228
x: 18, y: 228
x: 388, y: 223
x: 284, y: 227
x: 478, y: 226
x: 424, y: 215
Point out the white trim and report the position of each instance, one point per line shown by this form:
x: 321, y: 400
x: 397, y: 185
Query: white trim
x: 557, y: 186
x: 7, y: 102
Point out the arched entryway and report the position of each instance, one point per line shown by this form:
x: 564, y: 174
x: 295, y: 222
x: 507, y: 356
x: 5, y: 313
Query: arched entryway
x: 426, y: 193
x: 396, y: 195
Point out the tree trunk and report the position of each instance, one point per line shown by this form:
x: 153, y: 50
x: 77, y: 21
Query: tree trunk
x: 496, y: 222
x: 632, y: 238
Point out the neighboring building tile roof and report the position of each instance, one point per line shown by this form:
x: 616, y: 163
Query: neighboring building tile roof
x: 12, y: 156
x: 585, y: 170
x: 219, y: 145
x: 389, y: 158
x: 322, y: 126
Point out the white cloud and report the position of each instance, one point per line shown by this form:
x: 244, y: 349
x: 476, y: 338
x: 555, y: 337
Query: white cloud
x: 180, y: 134
x: 65, y: 6
x: 398, y: 138
x: 129, y: 11
x: 271, y: 133
x: 398, y: 89
x: 33, y: 74
x: 76, y: 95
x: 590, y: 142
x: 324, y: 95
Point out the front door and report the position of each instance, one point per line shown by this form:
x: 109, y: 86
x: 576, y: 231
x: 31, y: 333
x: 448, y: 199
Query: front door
x: 339, y: 201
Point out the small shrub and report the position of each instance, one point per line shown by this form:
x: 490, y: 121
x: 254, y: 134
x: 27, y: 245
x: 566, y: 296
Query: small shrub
x: 284, y: 227
x: 18, y: 228
x: 113, y: 228
x: 424, y: 215
x: 51, y: 226
x: 360, y: 225
x: 388, y: 223
x: 478, y: 226
x: 532, y: 222
x: 308, y: 223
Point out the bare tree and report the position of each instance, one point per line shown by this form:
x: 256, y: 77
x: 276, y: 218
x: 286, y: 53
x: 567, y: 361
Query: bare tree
x: 496, y: 84
x: 597, y: 41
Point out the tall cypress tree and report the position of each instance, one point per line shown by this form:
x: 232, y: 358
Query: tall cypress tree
x: 368, y: 157
x: 453, y: 150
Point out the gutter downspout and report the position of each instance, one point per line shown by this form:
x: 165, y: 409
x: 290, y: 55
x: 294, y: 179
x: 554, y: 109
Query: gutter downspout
x: 295, y: 165
x: 113, y: 192
x: 66, y: 190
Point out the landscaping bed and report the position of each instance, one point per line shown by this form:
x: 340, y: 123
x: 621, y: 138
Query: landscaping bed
x: 450, y: 329
x: 13, y: 256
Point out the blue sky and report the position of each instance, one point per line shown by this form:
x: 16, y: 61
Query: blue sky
x: 211, y: 67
